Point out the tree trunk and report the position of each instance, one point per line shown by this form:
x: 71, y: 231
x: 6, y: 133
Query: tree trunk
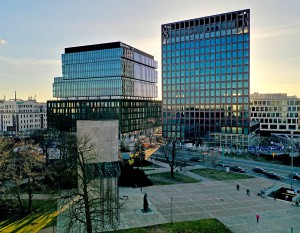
x: 173, y: 158
x: 89, y: 226
x: 87, y: 209
x: 172, y: 171
x: 20, y: 200
x: 29, y: 196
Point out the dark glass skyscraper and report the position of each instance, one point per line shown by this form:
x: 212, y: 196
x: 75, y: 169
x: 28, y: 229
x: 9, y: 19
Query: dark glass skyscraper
x: 106, y: 81
x: 205, y: 75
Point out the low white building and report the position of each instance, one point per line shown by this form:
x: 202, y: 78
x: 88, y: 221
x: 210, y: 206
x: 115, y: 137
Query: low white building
x: 22, y: 116
x: 276, y: 112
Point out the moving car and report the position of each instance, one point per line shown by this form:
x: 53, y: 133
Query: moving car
x: 221, y: 164
x: 273, y: 175
x: 195, y: 159
x: 259, y: 170
x: 237, y: 169
x: 296, y: 176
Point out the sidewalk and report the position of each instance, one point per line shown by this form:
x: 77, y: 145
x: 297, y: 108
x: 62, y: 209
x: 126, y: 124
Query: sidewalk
x: 185, y: 171
x: 207, y: 199
x: 215, y: 199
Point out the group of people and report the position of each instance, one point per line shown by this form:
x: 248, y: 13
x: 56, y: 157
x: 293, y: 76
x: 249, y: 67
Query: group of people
x: 248, y: 194
x: 247, y: 190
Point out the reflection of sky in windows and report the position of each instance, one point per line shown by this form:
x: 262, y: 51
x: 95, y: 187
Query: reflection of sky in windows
x: 214, y: 66
x: 106, y: 72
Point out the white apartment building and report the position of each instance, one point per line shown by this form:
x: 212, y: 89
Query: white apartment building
x: 276, y: 112
x: 22, y: 116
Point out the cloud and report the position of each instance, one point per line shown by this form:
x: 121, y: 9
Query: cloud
x: 31, y: 69
x: 30, y: 62
x: 2, y: 42
x: 276, y: 31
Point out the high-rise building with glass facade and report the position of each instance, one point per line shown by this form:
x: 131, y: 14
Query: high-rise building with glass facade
x: 205, y: 75
x: 106, y: 81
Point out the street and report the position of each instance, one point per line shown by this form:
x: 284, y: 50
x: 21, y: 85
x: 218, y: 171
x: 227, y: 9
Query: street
x: 206, y: 161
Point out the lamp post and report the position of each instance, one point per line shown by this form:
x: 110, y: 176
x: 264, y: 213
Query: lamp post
x: 142, y: 157
x: 292, y: 171
x: 171, y: 210
x: 292, y: 154
x: 222, y: 154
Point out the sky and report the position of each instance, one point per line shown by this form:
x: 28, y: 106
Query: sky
x: 33, y: 35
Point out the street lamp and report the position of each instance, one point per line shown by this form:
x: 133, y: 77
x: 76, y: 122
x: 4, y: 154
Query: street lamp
x: 171, y: 210
x: 292, y: 154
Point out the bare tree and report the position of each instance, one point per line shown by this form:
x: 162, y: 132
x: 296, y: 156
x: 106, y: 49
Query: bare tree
x: 139, y: 153
x: 94, y: 204
x: 24, y: 166
x: 214, y: 157
x: 169, y: 149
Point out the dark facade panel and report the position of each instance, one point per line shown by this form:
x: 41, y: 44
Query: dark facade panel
x: 133, y: 115
x: 93, y: 47
x: 111, y: 45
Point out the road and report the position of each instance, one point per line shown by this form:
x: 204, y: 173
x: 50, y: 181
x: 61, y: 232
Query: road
x: 282, y: 170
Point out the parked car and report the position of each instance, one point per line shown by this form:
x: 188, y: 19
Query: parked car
x: 259, y: 170
x: 221, y: 164
x: 195, y: 159
x: 273, y: 175
x: 237, y: 169
x: 296, y: 176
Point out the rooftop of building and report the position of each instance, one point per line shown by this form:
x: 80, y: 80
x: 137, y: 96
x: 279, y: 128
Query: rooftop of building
x: 257, y: 95
x: 103, y: 46
x: 205, y: 20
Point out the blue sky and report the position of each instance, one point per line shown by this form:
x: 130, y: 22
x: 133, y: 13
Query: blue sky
x: 33, y: 35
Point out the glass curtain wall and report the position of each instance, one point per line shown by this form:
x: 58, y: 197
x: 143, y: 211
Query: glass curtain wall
x: 205, y: 74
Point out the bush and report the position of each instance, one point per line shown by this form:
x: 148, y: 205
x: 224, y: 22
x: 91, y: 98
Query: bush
x: 133, y: 177
x: 62, y: 177
x: 9, y: 208
x: 124, y: 147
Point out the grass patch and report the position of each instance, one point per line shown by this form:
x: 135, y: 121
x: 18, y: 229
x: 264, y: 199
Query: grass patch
x: 220, y: 175
x: 44, y: 215
x: 165, y: 178
x: 150, y: 166
x: 199, y: 226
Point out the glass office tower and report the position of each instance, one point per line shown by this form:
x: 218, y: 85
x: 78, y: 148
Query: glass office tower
x: 112, y: 69
x: 106, y: 81
x: 205, y: 75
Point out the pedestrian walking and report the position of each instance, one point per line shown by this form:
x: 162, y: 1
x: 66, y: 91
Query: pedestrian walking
x: 237, y: 187
x: 257, y: 218
x: 248, y: 192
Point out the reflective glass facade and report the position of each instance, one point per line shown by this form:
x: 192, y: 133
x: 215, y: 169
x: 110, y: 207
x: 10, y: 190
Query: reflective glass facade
x: 106, y: 81
x: 205, y: 75
x: 113, y: 69
x: 133, y: 115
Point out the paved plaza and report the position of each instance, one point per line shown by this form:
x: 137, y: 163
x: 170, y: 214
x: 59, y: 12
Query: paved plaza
x: 211, y: 199
x: 207, y: 199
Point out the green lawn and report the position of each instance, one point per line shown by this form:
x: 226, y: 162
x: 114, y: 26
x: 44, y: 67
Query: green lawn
x: 44, y: 215
x: 220, y: 175
x: 199, y: 226
x: 165, y: 178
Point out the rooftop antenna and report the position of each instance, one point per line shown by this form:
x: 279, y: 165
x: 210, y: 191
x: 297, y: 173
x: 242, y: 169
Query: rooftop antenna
x: 15, y: 94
